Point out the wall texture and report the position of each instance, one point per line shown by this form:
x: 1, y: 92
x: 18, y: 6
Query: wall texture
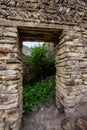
x: 71, y: 66
x: 10, y: 80
x: 73, y: 12
x: 69, y: 16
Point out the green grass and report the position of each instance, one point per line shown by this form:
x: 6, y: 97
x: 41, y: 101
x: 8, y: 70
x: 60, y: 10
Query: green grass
x: 38, y: 93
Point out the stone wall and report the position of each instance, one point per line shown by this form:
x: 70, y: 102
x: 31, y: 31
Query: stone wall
x: 71, y: 70
x: 52, y: 17
x: 64, y: 12
x: 10, y: 79
x: 71, y: 67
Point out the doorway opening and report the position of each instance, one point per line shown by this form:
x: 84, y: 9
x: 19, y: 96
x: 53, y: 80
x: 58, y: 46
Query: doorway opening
x: 38, y: 75
x: 47, y: 40
x: 38, y: 61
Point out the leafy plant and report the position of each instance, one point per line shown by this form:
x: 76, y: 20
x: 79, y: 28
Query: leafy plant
x: 41, y: 62
x: 39, y: 93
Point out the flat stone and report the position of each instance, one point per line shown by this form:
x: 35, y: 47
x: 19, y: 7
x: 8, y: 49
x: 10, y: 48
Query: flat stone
x: 66, y: 124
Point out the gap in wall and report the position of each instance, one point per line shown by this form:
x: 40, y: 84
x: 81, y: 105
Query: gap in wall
x: 45, y: 113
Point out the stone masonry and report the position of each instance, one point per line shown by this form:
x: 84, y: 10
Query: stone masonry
x: 10, y: 80
x: 63, y: 22
x: 71, y: 75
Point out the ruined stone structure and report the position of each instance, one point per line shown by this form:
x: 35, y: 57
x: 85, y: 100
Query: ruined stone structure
x: 63, y: 22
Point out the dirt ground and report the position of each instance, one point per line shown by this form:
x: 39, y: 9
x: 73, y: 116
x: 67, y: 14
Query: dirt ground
x: 44, y: 119
x: 51, y: 119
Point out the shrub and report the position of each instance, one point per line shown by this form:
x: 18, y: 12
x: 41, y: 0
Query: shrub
x: 39, y: 93
x: 41, y: 62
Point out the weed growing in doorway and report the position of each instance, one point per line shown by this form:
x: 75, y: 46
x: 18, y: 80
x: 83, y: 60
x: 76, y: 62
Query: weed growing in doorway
x: 39, y: 93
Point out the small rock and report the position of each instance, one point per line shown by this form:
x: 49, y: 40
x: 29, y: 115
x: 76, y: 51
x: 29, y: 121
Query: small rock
x: 66, y: 124
x: 82, y: 124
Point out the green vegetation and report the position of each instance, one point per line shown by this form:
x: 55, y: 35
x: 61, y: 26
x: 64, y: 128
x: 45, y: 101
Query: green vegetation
x: 39, y: 84
x: 39, y: 93
x: 41, y: 62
